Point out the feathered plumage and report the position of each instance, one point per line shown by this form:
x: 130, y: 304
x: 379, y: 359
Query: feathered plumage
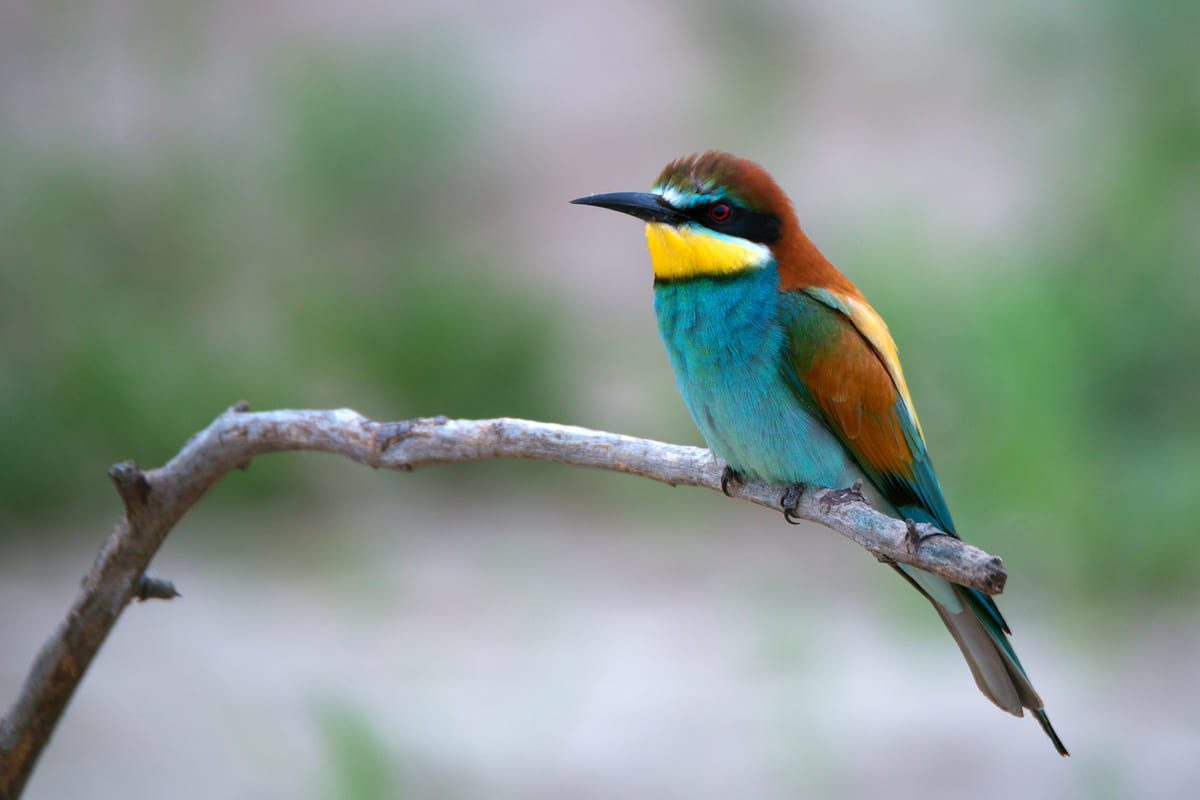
x: 791, y: 376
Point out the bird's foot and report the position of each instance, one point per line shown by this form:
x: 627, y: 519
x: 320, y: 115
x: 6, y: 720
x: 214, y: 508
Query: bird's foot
x: 912, y: 536
x: 790, y: 502
x: 729, y: 475
x: 839, y: 497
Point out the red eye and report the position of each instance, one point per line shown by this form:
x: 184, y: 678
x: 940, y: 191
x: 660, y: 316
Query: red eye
x: 720, y: 212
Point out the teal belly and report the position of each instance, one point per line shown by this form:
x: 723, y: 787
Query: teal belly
x: 726, y: 342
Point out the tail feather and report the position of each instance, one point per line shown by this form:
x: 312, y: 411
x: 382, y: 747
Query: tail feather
x: 988, y: 667
x: 994, y: 664
x: 1049, y: 729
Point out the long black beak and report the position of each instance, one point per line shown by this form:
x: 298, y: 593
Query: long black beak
x: 643, y: 205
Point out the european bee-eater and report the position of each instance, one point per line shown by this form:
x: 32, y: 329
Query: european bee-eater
x: 793, y: 378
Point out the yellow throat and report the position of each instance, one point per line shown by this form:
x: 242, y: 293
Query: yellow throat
x: 691, y: 252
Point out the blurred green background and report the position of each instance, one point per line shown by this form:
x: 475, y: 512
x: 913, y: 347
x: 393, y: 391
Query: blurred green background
x: 309, y: 206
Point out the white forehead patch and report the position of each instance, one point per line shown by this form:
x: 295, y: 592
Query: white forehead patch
x: 672, y: 195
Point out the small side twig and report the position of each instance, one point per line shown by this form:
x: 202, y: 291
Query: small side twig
x: 155, y: 589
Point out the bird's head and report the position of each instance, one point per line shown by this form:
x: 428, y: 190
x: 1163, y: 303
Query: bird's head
x: 710, y: 215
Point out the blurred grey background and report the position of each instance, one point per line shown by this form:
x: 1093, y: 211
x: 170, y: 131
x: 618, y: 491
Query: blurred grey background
x: 365, y: 204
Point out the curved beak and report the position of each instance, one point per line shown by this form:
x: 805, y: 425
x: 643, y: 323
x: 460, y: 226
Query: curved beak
x: 643, y: 205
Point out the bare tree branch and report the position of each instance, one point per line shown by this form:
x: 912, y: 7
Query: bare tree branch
x: 156, y: 500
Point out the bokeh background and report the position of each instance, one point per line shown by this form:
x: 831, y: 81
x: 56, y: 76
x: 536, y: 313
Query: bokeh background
x: 307, y: 204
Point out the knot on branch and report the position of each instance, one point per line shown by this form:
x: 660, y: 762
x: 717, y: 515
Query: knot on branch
x: 390, y: 433
x: 841, y: 497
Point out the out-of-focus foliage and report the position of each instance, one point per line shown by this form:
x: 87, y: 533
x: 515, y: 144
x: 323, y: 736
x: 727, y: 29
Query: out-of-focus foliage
x: 324, y: 264
x: 142, y: 293
x: 359, y: 764
x: 365, y: 206
x: 1074, y: 444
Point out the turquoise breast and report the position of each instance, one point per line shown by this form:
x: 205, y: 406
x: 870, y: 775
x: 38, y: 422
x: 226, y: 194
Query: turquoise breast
x: 726, y: 340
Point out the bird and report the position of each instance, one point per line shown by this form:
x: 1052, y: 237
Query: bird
x: 794, y: 379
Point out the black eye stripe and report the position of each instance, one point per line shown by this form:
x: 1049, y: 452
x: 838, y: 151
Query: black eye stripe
x: 757, y: 226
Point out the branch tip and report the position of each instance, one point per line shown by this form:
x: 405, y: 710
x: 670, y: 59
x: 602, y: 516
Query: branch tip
x: 997, y: 575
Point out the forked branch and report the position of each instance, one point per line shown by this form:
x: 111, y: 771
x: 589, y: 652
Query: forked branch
x: 156, y: 500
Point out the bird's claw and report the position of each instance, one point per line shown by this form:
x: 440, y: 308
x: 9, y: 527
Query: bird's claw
x: 912, y: 537
x: 729, y: 475
x: 790, y: 502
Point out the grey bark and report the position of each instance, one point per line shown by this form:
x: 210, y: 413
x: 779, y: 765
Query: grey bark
x: 157, y: 499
